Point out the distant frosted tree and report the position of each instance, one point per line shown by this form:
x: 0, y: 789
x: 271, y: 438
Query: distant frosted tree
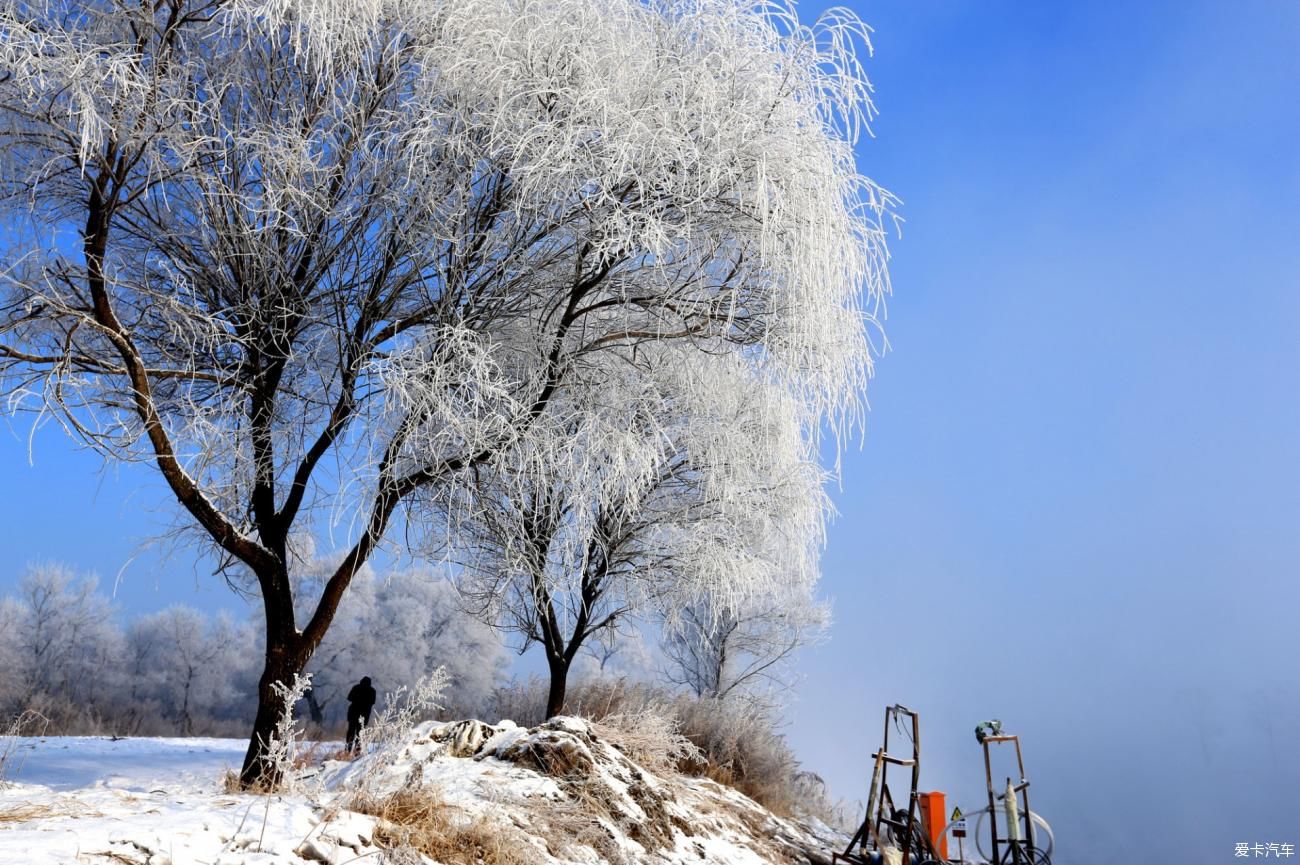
x: 744, y: 649
x: 336, y: 660
x: 397, y: 628
x: 424, y: 609
x: 335, y: 254
x: 616, y: 652
x: 64, y: 641
x: 185, y: 666
x: 682, y: 481
x: 11, y: 666
x: 64, y: 653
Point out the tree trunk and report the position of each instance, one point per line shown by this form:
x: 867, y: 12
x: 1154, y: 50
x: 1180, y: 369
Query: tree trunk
x: 282, y: 662
x: 559, y: 683
x: 187, y: 723
x: 314, y: 708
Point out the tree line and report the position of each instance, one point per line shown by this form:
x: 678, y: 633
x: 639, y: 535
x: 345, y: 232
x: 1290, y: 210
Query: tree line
x: 68, y: 655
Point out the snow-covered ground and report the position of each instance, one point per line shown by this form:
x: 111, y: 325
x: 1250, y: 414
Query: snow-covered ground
x: 139, y: 765
x: 155, y: 801
x: 559, y: 793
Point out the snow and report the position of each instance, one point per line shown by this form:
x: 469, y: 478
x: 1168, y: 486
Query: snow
x: 154, y: 801
x: 563, y: 789
x: 142, y: 765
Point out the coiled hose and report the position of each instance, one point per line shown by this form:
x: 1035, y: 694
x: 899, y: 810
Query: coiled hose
x: 979, y: 833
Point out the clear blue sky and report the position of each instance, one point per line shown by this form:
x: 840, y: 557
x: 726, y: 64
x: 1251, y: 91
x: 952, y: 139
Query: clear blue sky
x: 1078, y: 504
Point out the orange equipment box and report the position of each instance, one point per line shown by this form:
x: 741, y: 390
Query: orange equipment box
x: 932, y: 819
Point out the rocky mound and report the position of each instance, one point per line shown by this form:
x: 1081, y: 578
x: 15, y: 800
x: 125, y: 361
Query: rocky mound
x: 568, y: 791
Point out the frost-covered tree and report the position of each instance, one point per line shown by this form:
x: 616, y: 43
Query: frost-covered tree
x: 398, y: 628
x: 185, y: 666
x: 743, y: 649
x: 333, y: 254
x: 656, y: 487
x: 63, y: 644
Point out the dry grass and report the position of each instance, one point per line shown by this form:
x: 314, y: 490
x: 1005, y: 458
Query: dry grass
x: 731, y: 741
x: 638, y: 810
x: 319, y: 751
x: 29, y: 723
x: 651, y: 738
x: 575, y: 823
x: 116, y: 857
x: 22, y: 812
x: 420, y: 820
x: 230, y: 783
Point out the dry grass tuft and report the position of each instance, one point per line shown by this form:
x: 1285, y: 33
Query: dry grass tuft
x: 22, y: 812
x: 651, y: 737
x: 230, y: 782
x: 28, y: 723
x: 568, y: 825
x: 420, y: 820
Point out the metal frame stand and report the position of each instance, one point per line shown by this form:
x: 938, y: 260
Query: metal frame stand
x: 1021, y: 850
x: 869, y: 831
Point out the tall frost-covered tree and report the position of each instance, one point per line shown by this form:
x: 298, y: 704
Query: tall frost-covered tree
x: 330, y: 255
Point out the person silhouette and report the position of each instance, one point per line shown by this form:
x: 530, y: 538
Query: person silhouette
x: 361, y: 699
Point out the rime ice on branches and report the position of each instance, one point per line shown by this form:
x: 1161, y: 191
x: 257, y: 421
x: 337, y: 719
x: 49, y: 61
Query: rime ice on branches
x: 332, y: 256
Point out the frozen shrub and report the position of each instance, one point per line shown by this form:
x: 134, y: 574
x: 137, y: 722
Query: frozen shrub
x: 281, y: 751
x: 26, y: 723
x: 651, y: 736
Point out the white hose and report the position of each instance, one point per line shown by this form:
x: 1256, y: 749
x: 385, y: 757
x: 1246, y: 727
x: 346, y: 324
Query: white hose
x: 978, y: 834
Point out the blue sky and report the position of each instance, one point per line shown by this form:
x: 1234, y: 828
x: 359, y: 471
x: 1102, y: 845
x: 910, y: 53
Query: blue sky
x: 1077, y: 504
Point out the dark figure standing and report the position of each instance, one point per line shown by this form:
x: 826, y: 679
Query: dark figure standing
x: 361, y: 699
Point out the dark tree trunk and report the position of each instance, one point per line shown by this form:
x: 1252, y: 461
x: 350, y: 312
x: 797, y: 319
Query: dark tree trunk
x: 283, y: 660
x: 314, y: 708
x: 559, y: 684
